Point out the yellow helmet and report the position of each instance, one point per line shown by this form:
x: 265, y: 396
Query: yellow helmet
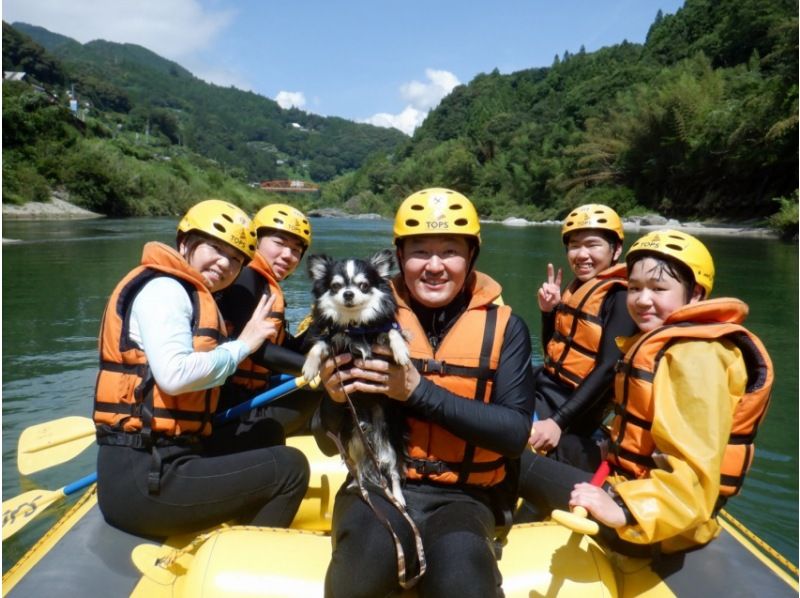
x: 593, y: 216
x: 221, y: 220
x: 684, y: 248
x: 437, y: 211
x: 283, y: 217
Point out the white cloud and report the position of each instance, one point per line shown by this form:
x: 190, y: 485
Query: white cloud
x: 425, y: 96
x: 422, y: 97
x: 287, y: 99
x: 174, y: 29
x: 408, y: 120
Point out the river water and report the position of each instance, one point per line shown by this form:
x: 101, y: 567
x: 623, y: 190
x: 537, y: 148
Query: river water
x: 57, y: 278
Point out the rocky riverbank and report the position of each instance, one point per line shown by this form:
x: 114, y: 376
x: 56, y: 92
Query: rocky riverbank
x: 643, y: 224
x: 60, y: 209
x: 57, y: 208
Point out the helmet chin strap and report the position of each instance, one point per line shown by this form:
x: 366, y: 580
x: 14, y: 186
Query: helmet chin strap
x: 475, y: 250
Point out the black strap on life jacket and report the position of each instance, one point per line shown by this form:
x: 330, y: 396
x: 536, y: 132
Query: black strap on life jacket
x: 430, y: 467
x: 435, y: 366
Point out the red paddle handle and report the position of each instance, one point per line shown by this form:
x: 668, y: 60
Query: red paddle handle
x: 601, y: 474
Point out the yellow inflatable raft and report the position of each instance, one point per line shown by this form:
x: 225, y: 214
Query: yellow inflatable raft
x: 83, y: 556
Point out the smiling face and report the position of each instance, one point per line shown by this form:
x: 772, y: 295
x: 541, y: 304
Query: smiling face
x: 654, y: 293
x: 282, y: 251
x: 435, y: 267
x: 589, y: 253
x: 218, y: 263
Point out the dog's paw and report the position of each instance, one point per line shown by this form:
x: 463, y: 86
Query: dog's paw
x: 313, y: 361
x: 397, y: 491
x: 399, y: 348
x: 311, y: 369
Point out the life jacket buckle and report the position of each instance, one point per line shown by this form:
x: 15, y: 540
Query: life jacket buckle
x: 433, y: 366
x: 430, y: 467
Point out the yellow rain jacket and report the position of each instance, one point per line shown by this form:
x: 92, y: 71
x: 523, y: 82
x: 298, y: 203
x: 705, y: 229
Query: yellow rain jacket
x: 696, y: 389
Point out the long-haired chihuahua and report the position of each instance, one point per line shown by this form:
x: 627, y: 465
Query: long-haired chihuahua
x: 353, y: 309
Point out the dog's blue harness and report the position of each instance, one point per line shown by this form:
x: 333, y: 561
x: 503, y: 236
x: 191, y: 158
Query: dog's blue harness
x: 374, y: 330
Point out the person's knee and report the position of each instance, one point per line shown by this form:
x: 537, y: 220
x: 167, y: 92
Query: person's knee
x: 463, y: 564
x: 363, y: 562
x: 359, y: 581
x: 297, y: 468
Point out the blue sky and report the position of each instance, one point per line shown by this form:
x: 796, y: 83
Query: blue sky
x: 374, y: 61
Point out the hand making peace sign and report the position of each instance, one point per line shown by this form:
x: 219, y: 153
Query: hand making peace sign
x: 550, y: 291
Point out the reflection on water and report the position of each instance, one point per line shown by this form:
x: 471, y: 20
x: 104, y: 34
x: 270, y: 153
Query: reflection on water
x: 57, y: 279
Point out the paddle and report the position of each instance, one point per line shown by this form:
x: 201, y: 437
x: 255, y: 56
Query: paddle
x: 20, y: 510
x: 54, y: 442
x: 263, y: 398
x: 576, y: 520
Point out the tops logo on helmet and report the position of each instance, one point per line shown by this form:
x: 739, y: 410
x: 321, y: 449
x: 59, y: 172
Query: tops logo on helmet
x: 438, y: 205
x: 656, y: 244
x: 240, y: 241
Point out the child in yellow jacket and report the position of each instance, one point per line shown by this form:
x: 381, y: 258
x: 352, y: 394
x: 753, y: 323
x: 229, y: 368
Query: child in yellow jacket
x: 689, y: 395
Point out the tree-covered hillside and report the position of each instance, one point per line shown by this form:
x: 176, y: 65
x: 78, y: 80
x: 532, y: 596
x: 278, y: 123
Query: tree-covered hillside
x: 142, y: 106
x: 237, y: 128
x: 698, y: 122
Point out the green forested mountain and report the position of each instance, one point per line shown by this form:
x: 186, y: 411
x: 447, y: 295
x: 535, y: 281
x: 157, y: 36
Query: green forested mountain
x: 237, y: 128
x: 151, y: 136
x: 698, y: 122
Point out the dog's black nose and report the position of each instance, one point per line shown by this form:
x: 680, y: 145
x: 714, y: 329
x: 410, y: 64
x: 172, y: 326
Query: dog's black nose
x: 348, y: 296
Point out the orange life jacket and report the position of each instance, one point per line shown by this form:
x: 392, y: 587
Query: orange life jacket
x: 572, y: 351
x: 632, y: 444
x: 126, y: 396
x: 249, y: 374
x: 464, y: 363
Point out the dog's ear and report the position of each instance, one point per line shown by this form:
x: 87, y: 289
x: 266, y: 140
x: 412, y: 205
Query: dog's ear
x: 318, y: 265
x: 383, y: 261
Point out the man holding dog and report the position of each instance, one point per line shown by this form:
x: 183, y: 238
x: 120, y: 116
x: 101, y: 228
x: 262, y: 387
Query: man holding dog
x: 468, y: 406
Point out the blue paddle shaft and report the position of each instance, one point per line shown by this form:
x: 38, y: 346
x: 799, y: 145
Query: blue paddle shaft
x: 257, y: 401
x: 80, y: 484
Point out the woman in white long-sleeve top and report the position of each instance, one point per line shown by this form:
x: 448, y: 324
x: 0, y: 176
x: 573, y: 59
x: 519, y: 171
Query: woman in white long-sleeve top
x: 163, y: 355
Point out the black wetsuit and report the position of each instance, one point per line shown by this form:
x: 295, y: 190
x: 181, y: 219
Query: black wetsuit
x: 229, y: 476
